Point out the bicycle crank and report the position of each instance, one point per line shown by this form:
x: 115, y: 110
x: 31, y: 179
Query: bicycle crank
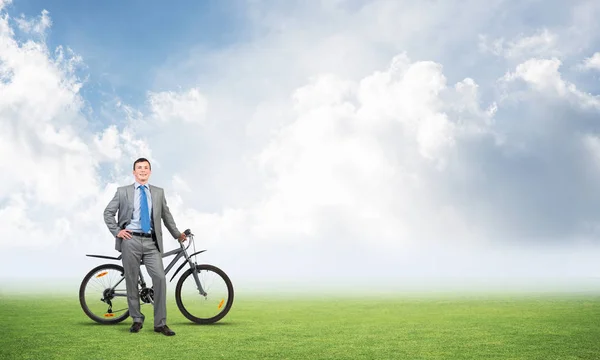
x: 147, y: 295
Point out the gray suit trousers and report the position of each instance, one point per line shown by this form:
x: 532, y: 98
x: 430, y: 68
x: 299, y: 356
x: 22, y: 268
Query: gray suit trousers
x: 133, y: 251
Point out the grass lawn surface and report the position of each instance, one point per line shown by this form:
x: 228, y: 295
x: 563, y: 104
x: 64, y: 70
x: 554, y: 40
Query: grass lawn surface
x: 545, y: 327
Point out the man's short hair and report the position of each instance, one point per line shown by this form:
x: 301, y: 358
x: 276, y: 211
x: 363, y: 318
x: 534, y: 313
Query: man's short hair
x: 140, y: 160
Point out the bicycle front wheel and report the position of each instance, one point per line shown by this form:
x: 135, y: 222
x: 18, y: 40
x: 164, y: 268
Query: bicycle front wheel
x: 209, y: 308
x: 103, y: 295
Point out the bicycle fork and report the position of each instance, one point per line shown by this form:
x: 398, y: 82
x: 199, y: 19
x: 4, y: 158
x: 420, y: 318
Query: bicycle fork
x: 196, y: 277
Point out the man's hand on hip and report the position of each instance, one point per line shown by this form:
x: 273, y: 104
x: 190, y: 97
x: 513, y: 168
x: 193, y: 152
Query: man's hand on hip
x: 124, y: 234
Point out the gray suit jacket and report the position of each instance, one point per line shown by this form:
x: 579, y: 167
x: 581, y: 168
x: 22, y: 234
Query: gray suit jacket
x: 123, y: 203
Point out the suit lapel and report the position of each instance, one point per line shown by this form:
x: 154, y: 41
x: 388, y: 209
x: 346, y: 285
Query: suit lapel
x: 155, y: 200
x: 129, y: 193
x: 130, y: 189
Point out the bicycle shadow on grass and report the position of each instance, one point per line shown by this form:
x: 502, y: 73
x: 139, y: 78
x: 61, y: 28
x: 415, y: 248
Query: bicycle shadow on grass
x: 87, y: 323
x: 224, y: 323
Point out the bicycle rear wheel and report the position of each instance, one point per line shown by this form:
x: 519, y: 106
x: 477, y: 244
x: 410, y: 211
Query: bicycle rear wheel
x: 99, y: 298
x: 209, y: 308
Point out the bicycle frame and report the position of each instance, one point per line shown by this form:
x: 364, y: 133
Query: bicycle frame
x: 179, y: 253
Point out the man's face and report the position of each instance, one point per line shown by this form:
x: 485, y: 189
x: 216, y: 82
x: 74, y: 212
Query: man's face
x: 142, y: 172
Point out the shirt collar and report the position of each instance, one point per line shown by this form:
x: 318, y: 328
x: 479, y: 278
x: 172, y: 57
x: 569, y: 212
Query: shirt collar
x: 137, y: 185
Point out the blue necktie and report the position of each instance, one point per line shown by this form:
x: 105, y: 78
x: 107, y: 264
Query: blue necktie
x: 144, y: 212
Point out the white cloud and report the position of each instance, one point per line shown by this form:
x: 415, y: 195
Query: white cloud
x: 180, y: 185
x: 542, y: 44
x: 107, y: 144
x: 120, y: 147
x: 38, y: 115
x: 189, y: 106
x: 544, y: 76
x: 592, y: 143
x: 3, y: 3
x: 52, y: 186
x: 352, y: 156
x: 35, y: 26
x: 592, y: 62
x: 409, y: 94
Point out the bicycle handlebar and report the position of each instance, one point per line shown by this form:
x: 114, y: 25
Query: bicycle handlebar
x: 188, y: 235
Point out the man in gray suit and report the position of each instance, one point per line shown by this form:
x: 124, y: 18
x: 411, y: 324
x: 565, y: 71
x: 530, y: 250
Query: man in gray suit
x: 138, y: 235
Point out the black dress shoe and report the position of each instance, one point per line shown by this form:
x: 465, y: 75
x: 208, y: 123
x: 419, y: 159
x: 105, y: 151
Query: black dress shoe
x: 136, y: 327
x: 164, y: 330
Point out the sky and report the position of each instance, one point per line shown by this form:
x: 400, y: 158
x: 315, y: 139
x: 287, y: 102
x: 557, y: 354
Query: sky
x: 324, y: 143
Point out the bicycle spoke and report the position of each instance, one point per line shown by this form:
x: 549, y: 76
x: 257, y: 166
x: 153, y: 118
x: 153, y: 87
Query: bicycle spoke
x: 97, y: 297
x: 204, y: 308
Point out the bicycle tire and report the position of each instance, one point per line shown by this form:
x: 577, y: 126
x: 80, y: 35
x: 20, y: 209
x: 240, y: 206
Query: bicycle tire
x: 227, y: 306
x: 83, y: 303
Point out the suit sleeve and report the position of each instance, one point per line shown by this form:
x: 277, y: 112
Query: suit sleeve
x: 168, y: 218
x: 109, y: 215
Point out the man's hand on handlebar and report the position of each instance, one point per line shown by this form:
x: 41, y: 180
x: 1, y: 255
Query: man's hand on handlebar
x: 182, y: 237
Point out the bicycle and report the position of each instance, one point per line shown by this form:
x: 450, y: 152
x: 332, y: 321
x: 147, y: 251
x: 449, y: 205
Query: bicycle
x: 215, y: 297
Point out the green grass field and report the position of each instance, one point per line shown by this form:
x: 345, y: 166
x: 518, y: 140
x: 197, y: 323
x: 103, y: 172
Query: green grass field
x: 476, y: 327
